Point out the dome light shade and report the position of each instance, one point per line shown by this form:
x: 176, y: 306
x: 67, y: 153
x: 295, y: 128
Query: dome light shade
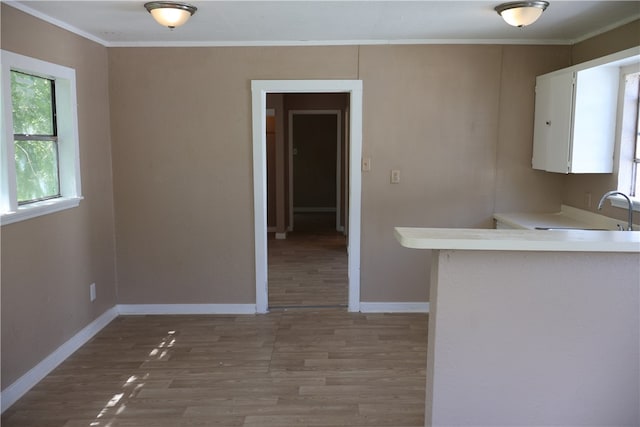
x: 170, y: 14
x: 521, y: 13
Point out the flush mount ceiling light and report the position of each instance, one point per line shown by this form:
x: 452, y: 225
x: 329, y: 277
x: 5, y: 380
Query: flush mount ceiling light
x: 170, y: 14
x: 521, y: 13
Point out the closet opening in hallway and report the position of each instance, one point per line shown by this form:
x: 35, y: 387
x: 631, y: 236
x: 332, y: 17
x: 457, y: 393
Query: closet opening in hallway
x: 307, y: 204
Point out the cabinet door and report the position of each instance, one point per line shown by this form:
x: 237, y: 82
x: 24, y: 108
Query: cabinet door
x: 594, y: 120
x: 553, y: 122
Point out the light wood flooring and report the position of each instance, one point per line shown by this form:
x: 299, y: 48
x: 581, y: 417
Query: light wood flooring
x: 286, y: 369
x: 309, y: 267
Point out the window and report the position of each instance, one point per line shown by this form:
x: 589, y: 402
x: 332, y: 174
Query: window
x: 35, y: 137
x: 629, y: 173
x: 40, y: 162
x: 635, y: 181
x: 629, y: 166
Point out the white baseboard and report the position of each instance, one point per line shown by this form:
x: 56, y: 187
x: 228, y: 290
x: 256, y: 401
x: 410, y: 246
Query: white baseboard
x: 15, y: 391
x: 394, y: 307
x: 23, y: 384
x: 141, y: 309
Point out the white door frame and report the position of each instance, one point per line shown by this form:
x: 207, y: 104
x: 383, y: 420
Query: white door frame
x: 259, y: 90
x: 338, y: 114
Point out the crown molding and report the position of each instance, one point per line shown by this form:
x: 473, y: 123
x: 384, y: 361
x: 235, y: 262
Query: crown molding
x: 56, y: 22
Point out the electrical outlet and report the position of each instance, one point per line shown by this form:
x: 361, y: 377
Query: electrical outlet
x: 366, y: 164
x: 92, y: 292
x: 395, y: 176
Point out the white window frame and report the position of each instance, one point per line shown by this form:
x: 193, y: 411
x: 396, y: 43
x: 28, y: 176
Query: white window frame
x: 68, y: 141
x: 627, y: 120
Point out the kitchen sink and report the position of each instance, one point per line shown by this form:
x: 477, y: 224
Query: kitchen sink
x: 571, y: 228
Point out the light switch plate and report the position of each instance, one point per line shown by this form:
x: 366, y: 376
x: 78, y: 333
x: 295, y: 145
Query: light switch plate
x: 395, y: 176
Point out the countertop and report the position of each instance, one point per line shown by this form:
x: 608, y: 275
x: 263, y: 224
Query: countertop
x: 519, y: 240
x: 567, y: 217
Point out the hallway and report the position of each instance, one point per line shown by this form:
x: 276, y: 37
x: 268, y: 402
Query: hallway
x: 309, y: 267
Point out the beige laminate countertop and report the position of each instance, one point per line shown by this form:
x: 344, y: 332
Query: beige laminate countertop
x: 519, y: 240
x: 567, y: 217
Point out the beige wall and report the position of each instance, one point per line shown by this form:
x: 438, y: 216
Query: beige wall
x: 446, y: 117
x: 48, y: 262
x: 183, y: 190
x: 621, y: 38
x: 519, y: 188
x: 182, y: 165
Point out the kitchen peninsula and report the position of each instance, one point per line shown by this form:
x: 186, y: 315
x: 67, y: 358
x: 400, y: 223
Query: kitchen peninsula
x: 532, y: 327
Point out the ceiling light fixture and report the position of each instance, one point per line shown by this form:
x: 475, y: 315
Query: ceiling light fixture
x: 521, y: 13
x: 170, y: 14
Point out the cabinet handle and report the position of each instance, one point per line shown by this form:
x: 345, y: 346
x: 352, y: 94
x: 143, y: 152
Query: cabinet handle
x: 548, y: 122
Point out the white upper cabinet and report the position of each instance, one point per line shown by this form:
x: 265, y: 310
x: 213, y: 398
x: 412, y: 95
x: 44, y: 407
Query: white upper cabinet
x: 552, y: 125
x: 575, y: 116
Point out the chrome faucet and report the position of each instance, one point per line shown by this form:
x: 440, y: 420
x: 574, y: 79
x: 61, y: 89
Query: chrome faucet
x: 618, y: 193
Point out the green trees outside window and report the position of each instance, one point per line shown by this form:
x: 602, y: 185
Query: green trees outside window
x: 35, y: 137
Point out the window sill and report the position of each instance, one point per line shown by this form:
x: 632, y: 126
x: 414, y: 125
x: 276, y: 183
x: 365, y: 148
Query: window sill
x: 39, y: 208
x: 621, y: 202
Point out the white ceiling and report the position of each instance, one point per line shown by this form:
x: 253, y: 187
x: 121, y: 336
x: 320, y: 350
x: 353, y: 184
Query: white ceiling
x: 240, y: 23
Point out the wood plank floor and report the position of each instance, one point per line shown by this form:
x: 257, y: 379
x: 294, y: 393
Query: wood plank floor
x: 286, y: 368
x: 309, y: 268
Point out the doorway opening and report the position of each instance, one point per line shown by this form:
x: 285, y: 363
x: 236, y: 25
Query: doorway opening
x: 307, y: 262
x: 351, y: 210
x: 316, y: 169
